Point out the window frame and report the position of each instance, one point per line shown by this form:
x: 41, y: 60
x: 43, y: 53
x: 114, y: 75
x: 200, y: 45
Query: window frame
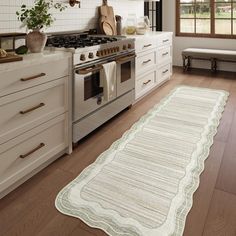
x: 155, y: 9
x: 212, y: 34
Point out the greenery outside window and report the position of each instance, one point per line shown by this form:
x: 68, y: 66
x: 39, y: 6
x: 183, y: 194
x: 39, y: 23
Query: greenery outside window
x: 206, y: 18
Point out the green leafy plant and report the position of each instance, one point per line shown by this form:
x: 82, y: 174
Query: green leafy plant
x: 39, y: 15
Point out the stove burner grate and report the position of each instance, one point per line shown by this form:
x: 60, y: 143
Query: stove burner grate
x: 78, y: 41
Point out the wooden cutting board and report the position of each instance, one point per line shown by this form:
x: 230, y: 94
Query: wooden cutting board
x: 10, y: 58
x: 107, y: 28
x: 107, y: 19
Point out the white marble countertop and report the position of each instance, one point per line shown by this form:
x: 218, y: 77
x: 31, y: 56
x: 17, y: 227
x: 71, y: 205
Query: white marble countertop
x: 148, y: 34
x: 35, y: 58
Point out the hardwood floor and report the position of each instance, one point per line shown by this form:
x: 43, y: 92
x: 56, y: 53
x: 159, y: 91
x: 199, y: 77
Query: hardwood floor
x: 29, y: 210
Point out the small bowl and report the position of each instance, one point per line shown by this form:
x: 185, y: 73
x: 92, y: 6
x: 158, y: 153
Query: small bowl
x: 141, y: 31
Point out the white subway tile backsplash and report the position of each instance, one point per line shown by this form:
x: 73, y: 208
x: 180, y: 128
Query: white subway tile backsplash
x: 71, y: 19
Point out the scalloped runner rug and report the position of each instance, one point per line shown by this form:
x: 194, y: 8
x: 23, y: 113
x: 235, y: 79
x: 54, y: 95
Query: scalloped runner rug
x: 144, y: 183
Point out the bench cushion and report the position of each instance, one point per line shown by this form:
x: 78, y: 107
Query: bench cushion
x: 203, y: 53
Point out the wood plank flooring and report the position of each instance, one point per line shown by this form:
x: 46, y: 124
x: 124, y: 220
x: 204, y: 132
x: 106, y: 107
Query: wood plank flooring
x: 29, y: 210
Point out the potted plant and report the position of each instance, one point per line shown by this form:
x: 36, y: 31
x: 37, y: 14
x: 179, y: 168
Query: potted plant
x: 35, y: 19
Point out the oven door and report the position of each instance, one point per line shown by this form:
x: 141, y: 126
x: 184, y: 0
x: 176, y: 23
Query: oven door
x: 88, y: 95
x: 125, y: 74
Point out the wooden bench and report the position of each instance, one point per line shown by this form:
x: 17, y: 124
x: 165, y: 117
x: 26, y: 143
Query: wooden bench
x: 213, y: 55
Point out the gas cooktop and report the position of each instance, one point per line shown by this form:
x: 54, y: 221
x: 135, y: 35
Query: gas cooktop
x: 89, y: 47
x: 78, y: 41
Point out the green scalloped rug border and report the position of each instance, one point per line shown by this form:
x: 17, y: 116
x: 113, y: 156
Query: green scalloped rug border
x: 86, y: 215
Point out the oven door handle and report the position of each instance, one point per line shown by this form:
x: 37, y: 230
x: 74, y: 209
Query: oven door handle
x: 124, y: 59
x: 88, y: 70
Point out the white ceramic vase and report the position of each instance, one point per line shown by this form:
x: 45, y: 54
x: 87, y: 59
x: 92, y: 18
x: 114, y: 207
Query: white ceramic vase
x: 36, y: 41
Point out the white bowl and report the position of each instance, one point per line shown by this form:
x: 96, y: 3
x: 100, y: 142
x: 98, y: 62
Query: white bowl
x: 141, y: 31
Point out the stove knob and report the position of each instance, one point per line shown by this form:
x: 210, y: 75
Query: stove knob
x: 117, y: 49
x: 91, y: 55
x: 129, y: 46
x: 102, y: 53
x: 98, y: 53
x: 112, y: 50
x: 82, y: 57
x: 124, y: 47
x: 109, y: 50
x: 105, y: 51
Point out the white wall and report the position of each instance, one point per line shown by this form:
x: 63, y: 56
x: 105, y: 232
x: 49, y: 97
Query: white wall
x: 181, y: 43
x: 71, y: 19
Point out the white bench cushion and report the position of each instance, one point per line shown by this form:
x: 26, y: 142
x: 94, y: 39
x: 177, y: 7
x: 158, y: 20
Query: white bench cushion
x: 210, y: 53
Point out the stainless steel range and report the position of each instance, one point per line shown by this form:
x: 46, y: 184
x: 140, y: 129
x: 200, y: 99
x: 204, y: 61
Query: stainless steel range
x: 98, y: 61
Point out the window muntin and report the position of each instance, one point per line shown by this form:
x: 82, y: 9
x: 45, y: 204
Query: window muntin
x: 154, y: 11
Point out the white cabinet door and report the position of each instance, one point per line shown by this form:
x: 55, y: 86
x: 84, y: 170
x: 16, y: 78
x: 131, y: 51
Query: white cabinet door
x: 145, y: 61
x: 28, y: 151
x: 143, y: 44
x: 24, y: 110
x: 164, y: 40
x: 164, y: 73
x: 145, y: 83
x: 164, y: 55
x: 20, y: 79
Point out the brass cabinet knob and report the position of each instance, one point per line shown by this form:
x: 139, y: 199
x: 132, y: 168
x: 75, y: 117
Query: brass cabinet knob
x: 91, y: 55
x: 82, y: 57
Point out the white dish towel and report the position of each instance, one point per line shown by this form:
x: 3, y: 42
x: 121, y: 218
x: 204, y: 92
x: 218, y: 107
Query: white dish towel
x: 108, y: 80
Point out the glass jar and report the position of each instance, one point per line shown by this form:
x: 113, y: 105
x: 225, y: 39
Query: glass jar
x: 131, y: 24
x: 143, y: 25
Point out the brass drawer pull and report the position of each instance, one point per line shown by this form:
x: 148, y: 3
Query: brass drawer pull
x: 166, y: 40
x: 145, y: 83
x: 148, y: 45
x: 165, y: 71
x: 165, y: 54
x: 41, y: 145
x: 33, y: 77
x: 145, y: 62
x: 32, y: 109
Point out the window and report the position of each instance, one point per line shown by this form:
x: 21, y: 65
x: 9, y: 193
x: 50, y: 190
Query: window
x: 206, y: 18
x: 154, y: 11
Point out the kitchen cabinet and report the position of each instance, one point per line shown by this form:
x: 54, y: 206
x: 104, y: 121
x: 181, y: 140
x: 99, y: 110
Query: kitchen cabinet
x: 153, y: 61
x: 35, y: 121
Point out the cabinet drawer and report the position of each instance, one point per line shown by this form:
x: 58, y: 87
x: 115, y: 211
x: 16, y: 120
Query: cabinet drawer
x: 25, y: 110
x: 145, y: 83
x: 145, y: 61
x: 25, y: 153
x: 20, y: 79
x: 164, y: 55
x: 164, y: 73
x: 163, y: 40
x: 145, y: 43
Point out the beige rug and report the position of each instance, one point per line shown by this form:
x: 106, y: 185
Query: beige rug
x: 144, y: 183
